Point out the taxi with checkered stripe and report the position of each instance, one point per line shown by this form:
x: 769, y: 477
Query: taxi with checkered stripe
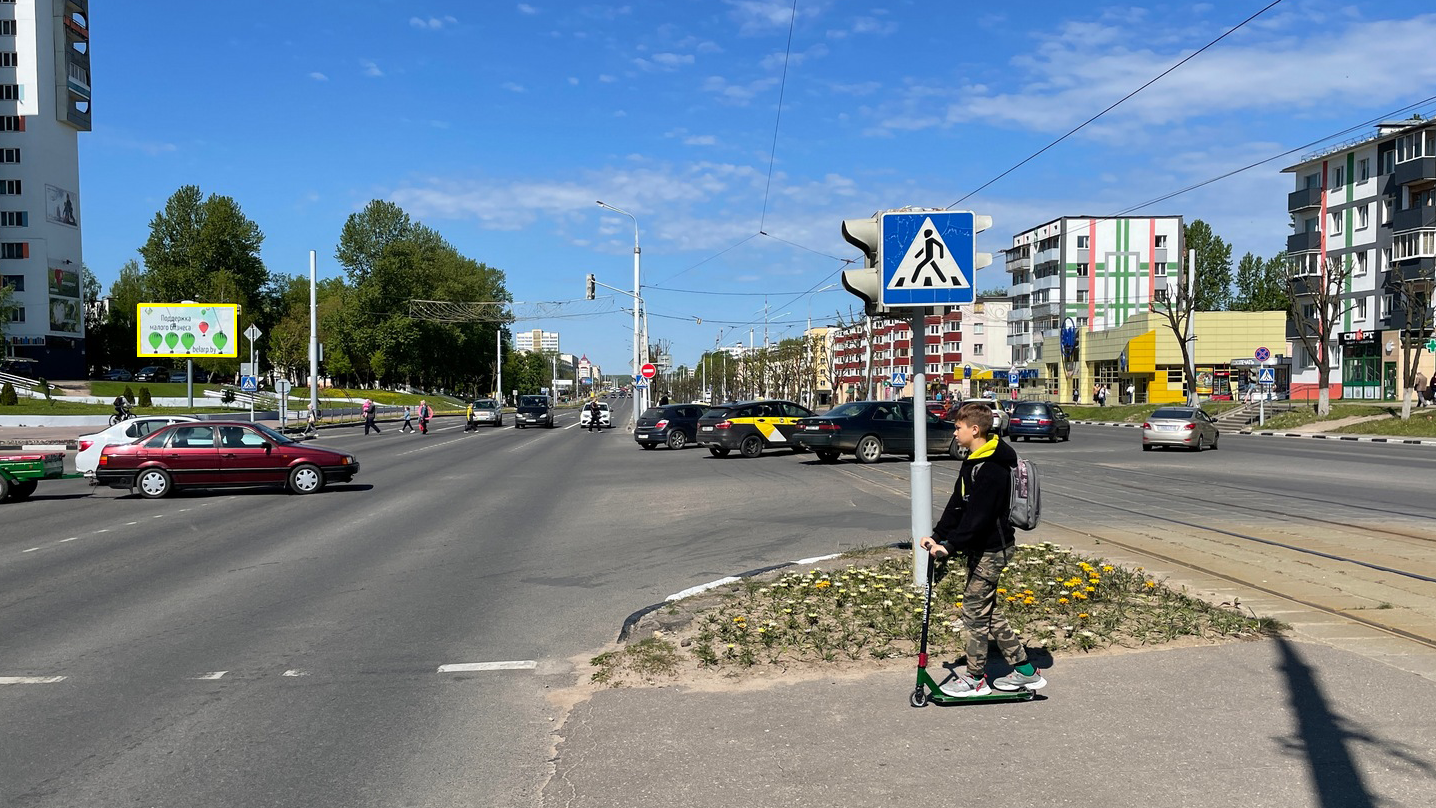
x: 750, y: 427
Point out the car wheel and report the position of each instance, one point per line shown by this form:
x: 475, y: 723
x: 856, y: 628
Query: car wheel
x: 1214, y: 442
x: 153, y: 483
x: 954, y: 451
x: 827, y: 456
x: 1198, y: 445
x: 677, y: 440
x: 1052, y: 438
x: 718, y: 451
x: 1146, y: 447
x: 648, y: 444
x: 1067, y: 435
x: 870, y: 449
x: 306, y: 479
x: 752, y: 446
x: 23, y: 489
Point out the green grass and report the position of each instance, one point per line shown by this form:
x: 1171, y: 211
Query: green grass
x: 112, y: 389
x: 1135, y: 413
x: 1421, y: 425
x: 1305, y: 414
x: 42, y: 407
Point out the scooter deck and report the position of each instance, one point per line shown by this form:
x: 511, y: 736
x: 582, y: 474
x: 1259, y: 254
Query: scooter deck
x: 927, y: 691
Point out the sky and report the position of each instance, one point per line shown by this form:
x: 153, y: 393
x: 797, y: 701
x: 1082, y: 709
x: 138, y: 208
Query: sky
x: 500, y: 124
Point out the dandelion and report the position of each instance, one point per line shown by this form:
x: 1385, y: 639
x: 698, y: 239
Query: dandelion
x: 1001, y: 591
x: 739, y: 619
x: 1151, y: 584
x: 1083, y: 616
x: 824, y: 584
x: 1028, y: 601
x: 1011, y: 599
x: 1062, y: 601
x: 1107, y: 568
x: 1091, y: 589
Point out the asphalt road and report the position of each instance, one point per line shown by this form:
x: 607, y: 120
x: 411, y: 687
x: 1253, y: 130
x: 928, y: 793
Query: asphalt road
x: 331, y: 615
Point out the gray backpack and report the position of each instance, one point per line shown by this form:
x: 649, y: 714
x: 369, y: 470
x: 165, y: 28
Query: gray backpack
x: 1025, y: 503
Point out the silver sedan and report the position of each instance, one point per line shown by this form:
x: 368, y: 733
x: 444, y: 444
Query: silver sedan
x: 1188, y: 427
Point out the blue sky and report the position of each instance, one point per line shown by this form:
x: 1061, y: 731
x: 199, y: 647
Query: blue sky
x: 500, y: 124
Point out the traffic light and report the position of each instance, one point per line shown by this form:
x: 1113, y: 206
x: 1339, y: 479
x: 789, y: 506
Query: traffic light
x: 867, y: 282
x: 592, y: 285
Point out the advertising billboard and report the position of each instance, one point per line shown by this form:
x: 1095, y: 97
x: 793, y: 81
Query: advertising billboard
x: 60, y: 206
x: 186, y: 330
x: 64, y: 282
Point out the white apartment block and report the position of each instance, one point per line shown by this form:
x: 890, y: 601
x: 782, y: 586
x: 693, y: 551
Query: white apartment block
x: 546, y: 341
x: 984, y: 333
x: 1098, y: 272
x: 1369, y: 205
x: 44, y: 105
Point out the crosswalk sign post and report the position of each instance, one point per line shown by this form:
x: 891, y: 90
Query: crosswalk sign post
x: 898, y: 379
x: 929, y: 258
x: 248, y: 384
x: 1266, y: 378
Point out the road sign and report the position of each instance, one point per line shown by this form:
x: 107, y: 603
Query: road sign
x: 247, y: 369
x: 649, y: 370
x: 282, y: 386
x: 1266, y: 375
x: 248, y: 384
x: 641, y: 384
x: 928, y: 258
x: 253, y: 332
x: 899, y: 379
x: 967, y: 371
x: 1263, y: 355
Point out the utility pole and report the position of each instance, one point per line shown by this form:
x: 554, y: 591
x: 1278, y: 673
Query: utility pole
x: 499, y: 364
x: 637, y: 296
x: 313, y: 332
x: 1191, y: 316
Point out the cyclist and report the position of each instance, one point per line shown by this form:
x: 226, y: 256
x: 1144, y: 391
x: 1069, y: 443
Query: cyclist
x: 122, y: 409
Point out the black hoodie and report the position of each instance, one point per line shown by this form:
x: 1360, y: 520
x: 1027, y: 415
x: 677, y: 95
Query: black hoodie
x: 976, y: 517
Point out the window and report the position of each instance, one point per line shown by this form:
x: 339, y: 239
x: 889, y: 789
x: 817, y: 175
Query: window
x: 1161, y: 242
x: 978, y: 329
x: 10, y: 187
x: 7, y: 28
x: 15, y: 249
x: 16, y: 283
x: 1361, y: 263
x: 1386, y: 305
x: 1081, y: 295
x: 1387, y: 206
x: 1388, y: 162
x: 1360, y: 308
x: 934, y: 329
x: 12, y: 123
x: 1176, y: 377
x: 17, y: 314
x: 1081, y: 270
x: 1082, y: 242
x: 1363, y: 169
x: 1363, y: 217
x: 977, y: 349
x: 1338, y: 176
x: 1082, y: 322
x: 9, y: 59
x: 14, y: 218
x: 10, y: 92
x: 9, y: 155
x: 1421, y: 244
x: 1159, y: 295
x: 1336, y: 223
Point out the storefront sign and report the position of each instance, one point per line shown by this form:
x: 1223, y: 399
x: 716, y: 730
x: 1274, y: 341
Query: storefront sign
x: 1359, y: 338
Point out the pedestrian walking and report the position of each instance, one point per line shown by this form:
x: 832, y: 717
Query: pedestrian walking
x: 1420, y: 388
x: 408, y: 426
x: 469, y: 424
x: 976, y: 525
x: 425, y: 413
x: 1431, y: 390
x: 369, y: 412
x: 1131, y: 393
x: 311, y: 426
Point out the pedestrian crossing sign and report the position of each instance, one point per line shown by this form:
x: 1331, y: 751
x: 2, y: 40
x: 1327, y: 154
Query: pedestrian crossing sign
x: 248, y: 384
x: 928, y: 258
x: 1266, y: 376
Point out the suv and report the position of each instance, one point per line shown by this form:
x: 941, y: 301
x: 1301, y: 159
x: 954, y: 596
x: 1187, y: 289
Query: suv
x: 1038, y: 419
x: 999, y: 413
x: 750, y: 427
x: 534, y: 411
x: 673, y: 424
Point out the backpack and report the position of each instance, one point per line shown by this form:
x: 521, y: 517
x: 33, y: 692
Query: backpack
x: 1025, y: 504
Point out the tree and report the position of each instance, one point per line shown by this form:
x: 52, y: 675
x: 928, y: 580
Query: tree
x: 1261, y: 284
x: 7, y: 306
x: 1315, y: 292
x: 1411, y: 295
x: 996, y: 291
x: 194, y: 239
x: 1175, y: 305
x: 1214, y: 267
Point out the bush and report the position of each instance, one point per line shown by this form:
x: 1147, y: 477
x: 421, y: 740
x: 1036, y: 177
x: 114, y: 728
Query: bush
x: 129, y: 395
x: 46, y: 389
x: 227, y: 397
x: 7, y: 396
x: 145, y: 400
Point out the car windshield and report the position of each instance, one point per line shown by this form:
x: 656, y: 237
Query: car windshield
x: 486, y: 404
x: 270, y: 434
x: 848, y: 410
x: 1173, y: 413
x: 533, y: 401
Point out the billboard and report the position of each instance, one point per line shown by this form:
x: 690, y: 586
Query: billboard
x: 64, y: 282
x: 186, y: 330
x: 64, y: 315
x: 60, y: 206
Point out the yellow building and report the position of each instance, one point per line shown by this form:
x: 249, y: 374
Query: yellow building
x: 1143, y: 354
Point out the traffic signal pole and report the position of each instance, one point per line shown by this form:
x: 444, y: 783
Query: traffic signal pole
x: 921, y: 469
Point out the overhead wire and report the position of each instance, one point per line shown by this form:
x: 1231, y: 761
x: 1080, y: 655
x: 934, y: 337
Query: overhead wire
x: 778, y: 118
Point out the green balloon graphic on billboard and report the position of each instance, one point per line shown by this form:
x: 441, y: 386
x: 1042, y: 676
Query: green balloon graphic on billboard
x: 155, y: 339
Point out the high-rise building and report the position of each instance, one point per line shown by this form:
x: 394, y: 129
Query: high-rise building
x: 536, y: 340
x: 44, y: 105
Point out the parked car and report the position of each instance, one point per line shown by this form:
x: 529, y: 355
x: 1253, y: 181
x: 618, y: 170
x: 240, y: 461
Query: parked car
x: 117, y: 375
x: 1188, y: 427
x: 488, y: 411
x: 870, y: 429
x: 674, y: 424
x: 153, y: 374
x: 93, y: 445
x: 605, y: 417
x: 178, y: 375
x: 750, y: 427
x: 1038, y: 419
x: 534, y: 411
x: 216, y: 454
x: 999, y: 413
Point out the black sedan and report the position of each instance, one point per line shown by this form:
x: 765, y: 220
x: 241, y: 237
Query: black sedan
x: 869, y: 430
x: 1038, y: 419
x: 675, y: 425
x: 153, y: 373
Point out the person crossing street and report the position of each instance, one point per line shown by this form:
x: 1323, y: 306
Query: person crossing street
x: 593, y: 411
x: 425, y: 413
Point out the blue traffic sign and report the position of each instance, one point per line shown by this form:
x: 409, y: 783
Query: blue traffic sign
x: 249, y: 384
x: 898, y: 379
x: 641, y: 384
x: 928, y: 258
x: 1266, y: 376
x: 1263, y: 354
x: 967, y: 371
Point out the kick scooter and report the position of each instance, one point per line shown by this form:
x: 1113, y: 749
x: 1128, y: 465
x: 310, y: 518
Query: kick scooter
x: 926, y: 689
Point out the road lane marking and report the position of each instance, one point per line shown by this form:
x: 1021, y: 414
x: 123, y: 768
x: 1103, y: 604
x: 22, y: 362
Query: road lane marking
x: 816, y: 559
x: 127, y: 524
x: 211, y: 675
x: 30, y: 680
x: 31, y: 550
x: 158, y: 516
x: 295, y: 672
x: 511, y: 665
x: 72, y: 538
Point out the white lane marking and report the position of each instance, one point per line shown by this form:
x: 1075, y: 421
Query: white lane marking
x: 182, y: 510
x: 210, y: 675
x: 73, y: 538
x: 816, y: 559
x: 511, y: 665
x: 295, y: 672
x: 524, y: 444
x: 33, y: 549
x: 694, y: 590
x: 161, y: 516
x: 571, y: 426
x: 30, y: 680
x: 127, y: 524
x: 107, y: 530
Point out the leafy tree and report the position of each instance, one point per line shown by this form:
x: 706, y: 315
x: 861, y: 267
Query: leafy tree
x: 1261, y: 284
x: 7, y: 305
x: 203, y: 249
x: 996, y: 291
x: 8, y: 397
x: 1214, y: 267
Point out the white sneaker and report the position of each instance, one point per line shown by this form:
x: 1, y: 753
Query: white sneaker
x: 963, y: 685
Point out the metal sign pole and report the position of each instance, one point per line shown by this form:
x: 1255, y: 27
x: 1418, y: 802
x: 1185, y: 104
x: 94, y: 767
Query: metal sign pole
x: 921, y: 468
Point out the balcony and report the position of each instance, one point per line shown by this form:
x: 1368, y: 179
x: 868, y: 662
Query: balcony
x: 1303, y: 242
x: 1413, y: 218
x: 1051, y: 255
x: 1019, y: 263
x: 1016, y: 315
x: 1420, y: 171
x: 1049, y: 309
x: 1049, y: 282
x: 1305, y: 199
x: 1159, y: 255
x: 1413, y: 269
x: 1020, y: 289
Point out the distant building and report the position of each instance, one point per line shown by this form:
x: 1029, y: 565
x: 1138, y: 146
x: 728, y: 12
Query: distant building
x: 536, y: 339
x: 44, y: 105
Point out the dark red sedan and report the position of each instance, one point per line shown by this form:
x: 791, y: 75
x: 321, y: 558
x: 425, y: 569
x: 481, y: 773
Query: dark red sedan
x: 214, y: 454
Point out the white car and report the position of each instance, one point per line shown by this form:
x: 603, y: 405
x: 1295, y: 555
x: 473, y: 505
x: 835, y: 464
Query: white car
x: 605, y: 417
x: 91, y: 446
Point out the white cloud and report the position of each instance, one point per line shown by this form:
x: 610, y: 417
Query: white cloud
x: 739, y: 94
x: 764, y: 16
x: 700, y: 140
x: 774, y: 61
x: 573, y: 80
x: 431, y: 23
x: 317, y: 76
x: 514, y: 87
x: 607, y: 79
x: 525, y: 8
x: 371, y: 69
x: 664, y: 61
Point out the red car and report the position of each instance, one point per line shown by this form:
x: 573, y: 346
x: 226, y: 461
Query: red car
x: 213, y: 454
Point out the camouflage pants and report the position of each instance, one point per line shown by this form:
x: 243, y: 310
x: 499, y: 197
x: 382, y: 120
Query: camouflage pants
x: 979, y: 612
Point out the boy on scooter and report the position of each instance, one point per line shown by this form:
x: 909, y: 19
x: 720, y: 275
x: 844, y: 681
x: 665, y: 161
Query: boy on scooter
x: 975, y: 524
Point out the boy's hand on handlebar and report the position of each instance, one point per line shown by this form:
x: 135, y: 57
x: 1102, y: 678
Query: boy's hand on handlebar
x: 932, y: 546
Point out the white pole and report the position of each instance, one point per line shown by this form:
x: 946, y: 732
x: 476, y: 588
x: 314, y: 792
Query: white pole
x: 868, y: 372
x: 499, y: 364
x: 1191, y: 316
x: 254, y: 370
x: 313, y: 331
x: 921, y: 476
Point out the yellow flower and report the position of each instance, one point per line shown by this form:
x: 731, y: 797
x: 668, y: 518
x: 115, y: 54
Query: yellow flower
x: 1094, y: 580
x: 1011, y: 599
x: 823, y: 584
x: 1107, y: 567
x: 1028, y: 601
x: 1091, y: 589
x: 1151, y: 584
x: 1080, y: 595
x: 740, y: 619
x: 1062, y: 601
x: 1084, y: 616
x: 1001, y: 591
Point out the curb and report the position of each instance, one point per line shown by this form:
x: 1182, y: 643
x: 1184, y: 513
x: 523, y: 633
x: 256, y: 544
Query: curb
x: 1352, y: 438
x: 1109, y: 423
x: 632, y: 619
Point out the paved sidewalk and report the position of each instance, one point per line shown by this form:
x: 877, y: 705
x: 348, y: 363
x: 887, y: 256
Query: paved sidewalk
x: 1278, y: 723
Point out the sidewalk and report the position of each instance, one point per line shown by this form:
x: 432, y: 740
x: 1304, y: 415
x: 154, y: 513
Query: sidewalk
x: 1301, y: 432
x: 1278, y: 722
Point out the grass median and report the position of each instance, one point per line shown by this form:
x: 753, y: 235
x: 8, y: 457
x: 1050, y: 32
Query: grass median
x: 1135, y: 413
x: 866, y: 609
x: 1421, y: 425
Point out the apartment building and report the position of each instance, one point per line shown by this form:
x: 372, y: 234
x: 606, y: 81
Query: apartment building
x: 536, y: 340
x: 892, y: 352
x: 1099, y: 272
x: 1369, y: 206
x: 44, y: 105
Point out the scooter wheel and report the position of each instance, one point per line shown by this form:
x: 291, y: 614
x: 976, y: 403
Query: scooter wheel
x: 918, y: 697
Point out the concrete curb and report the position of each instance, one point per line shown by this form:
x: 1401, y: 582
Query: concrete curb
x: 632, y: 619
x: 1108, y: 423
x: 1317, y: 435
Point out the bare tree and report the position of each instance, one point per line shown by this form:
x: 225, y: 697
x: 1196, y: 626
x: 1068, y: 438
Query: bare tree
x: 1175, y: 304
x: 1411, y: 296
x: 1314, y: 289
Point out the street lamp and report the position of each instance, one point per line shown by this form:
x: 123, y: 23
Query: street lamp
x: 639, y: 404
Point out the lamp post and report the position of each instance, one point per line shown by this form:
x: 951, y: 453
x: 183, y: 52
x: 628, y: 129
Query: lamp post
x: 639, y: 404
